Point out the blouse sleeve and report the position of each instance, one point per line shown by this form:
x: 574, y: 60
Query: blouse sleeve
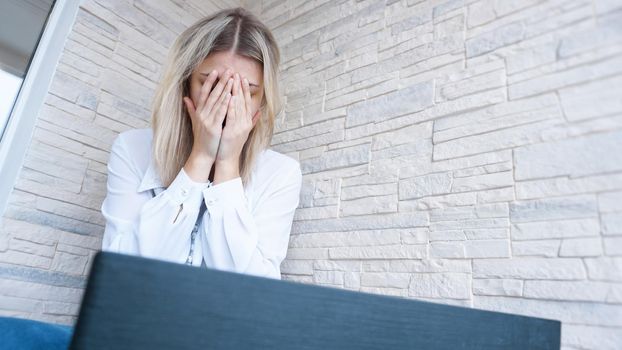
x: 136, y: 223
x: 251, y: 242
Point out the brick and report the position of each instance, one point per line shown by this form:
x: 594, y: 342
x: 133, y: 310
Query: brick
x: 363, y: 222
x: 601, y: 314
x: 404, y: 101
x: 492, y: 40
x: 385, y: 279
x: 480, y: 182
x: 605, y: 32
x: 591, y: 337
x: 548, y: 248
x: 574, y: 157
x: 338, y: 158
x: 494, y: 248
x: 337, y: 265
x: 363, y: 191
x: 368, y: 205
x: 418, y: 251
x: 571, y: 207
x: 563, y: 185
x: 328, y: 277
x: 612, y: 223
x: 426, y: 185
x: 423, y: 266
x: 402, y: 136
x: 572, y: 290
x: 581, y: 247
x: 613, y: 246
x: 507, y: 287
x: 345, y: 239
x: 385, y: 291
x: 530, y: 268
x: 610, y: 201
x: 440, y: 285
x: 307, y: 253
x: 480, y: 12
x: 40, y: 291
x: 31, y: 247
x: 314, y: 213
x: 25, y: 259
x: 69, y: 263
x: 604, y: 268
x: 495, y: 140
x: 570, y: 76
x: 600, y: 96
x: 14, y: 304
x: 555, y: 229
x: 447, y: 250
x: 297, y: 267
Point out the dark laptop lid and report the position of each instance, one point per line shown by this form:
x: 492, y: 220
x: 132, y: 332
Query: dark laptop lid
x: 138, y: 303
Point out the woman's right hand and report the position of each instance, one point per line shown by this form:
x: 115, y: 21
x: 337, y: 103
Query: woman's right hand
x: 208, y: 115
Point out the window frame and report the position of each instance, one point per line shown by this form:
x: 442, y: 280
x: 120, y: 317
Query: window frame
x: 15, y: 140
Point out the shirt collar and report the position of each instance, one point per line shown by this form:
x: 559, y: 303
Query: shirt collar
x: 151, y: 179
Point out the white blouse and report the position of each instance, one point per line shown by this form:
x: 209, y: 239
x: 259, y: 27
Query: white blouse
x: 244, y: 230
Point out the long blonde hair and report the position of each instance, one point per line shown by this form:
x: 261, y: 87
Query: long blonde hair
x: 235, y: 30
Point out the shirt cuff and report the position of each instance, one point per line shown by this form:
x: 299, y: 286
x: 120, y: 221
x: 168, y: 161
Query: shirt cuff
x: 230, y: 192
x: 185, y: 190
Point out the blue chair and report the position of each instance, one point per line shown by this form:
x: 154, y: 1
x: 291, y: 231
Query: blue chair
x: 23, y: 334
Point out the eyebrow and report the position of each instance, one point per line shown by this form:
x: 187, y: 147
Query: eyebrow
x: 249, y: 83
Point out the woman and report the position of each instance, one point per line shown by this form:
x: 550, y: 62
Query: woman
x: 201, y: 186
x: 205, y: 165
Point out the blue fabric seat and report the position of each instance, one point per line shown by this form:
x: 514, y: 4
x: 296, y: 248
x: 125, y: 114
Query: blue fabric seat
x: 23, y: 334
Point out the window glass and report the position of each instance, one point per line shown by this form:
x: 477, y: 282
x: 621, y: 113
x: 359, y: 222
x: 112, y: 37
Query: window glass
x: 21, y: 25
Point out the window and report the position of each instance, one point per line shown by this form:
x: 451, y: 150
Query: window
x: 21, y: 26
x: 32, y: 37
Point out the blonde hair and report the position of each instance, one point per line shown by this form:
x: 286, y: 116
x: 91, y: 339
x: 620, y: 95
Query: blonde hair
x: 235, y: 30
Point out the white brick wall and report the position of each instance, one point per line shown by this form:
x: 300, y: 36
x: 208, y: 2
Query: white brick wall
x: 103, y: 85
x: 463, y: 152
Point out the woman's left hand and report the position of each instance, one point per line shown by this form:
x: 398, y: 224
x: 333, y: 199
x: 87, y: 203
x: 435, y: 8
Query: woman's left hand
x: 238, y: 123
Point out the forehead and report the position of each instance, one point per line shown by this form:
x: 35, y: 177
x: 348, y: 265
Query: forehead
x: 221, y: 61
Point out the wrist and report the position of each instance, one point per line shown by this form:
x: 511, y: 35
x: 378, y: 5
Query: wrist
x: 198, y: 167
x: 226, y: 171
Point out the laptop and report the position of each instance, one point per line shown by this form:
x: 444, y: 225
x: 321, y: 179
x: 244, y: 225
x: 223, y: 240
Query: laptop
x: 134, y: 302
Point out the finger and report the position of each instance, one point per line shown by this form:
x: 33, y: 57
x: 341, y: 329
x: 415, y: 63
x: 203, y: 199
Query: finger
x: 219, y: 89
x: 206, y: 87
x: 223, y: 96
x: 222, y: 109
x: 236, y: 85
x: 240, y: 100
x: 231, y: 112
x: 237, y: 95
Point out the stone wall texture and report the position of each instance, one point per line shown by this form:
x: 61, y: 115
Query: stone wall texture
x: 460, y: 152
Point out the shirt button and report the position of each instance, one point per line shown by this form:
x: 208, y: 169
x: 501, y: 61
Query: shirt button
x: 184, y: 191
x: 211, y: 201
